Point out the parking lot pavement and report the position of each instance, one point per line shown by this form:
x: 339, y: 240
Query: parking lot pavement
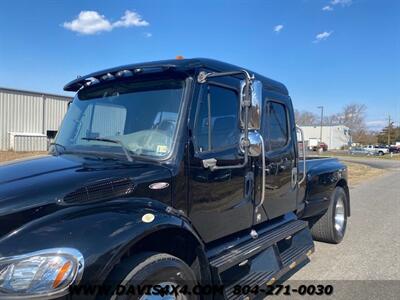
x: 374, y: 162
x: 371, y: 247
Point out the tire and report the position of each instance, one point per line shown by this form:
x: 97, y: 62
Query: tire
x: 325, y: 228
x: 151, y: 269
x: 380, y: 153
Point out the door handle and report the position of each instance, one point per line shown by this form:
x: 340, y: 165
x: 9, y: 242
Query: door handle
x: 248, y: 185
x: 294, y: 177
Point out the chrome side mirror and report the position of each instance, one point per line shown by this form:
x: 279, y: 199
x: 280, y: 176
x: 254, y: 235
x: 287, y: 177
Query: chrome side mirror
x: 255, y: 109
x: 255, y: 143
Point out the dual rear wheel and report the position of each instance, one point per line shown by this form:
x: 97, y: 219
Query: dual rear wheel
x: 331, y: 226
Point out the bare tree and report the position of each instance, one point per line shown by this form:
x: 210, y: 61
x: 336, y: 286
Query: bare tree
x: 333, y: 119
x: 353, y: 116
x: 368, y: 138
x: 304, y: 118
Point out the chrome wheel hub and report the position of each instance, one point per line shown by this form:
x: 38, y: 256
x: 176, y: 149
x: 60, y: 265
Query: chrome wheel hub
x: 339, y: 216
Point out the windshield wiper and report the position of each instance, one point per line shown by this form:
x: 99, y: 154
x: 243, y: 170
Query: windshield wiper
x: 57, y: 144
x: 126, y: 150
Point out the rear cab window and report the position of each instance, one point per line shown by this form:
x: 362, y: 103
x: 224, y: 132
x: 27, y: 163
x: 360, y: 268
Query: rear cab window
x: 276, y: 129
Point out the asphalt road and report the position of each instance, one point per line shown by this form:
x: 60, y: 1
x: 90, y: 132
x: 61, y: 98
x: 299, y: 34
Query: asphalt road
x: 367, y: 263
x: 378, y: 163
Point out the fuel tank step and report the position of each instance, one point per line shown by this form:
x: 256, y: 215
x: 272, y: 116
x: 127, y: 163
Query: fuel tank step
x: 267, y: 267
x: 289, y: 256
x: 248, y: 249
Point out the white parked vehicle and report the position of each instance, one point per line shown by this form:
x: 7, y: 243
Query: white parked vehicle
x: 377, y: 149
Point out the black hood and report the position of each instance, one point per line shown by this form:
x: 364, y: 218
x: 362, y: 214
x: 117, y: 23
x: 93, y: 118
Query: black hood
x: 33, y: 187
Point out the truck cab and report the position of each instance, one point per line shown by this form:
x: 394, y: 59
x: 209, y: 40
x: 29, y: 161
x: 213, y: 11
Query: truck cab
x: 185, y: 170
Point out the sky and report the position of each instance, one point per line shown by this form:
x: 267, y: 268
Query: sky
x: 327, y: 52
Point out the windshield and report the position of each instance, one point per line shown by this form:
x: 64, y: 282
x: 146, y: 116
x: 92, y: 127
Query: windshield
x: 143, y: 116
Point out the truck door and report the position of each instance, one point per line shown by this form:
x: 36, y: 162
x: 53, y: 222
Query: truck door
x: 221, y: 200
x: 280, y: 157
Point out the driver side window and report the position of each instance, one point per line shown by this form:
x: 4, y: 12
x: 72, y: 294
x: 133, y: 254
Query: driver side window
x: 216, y: 125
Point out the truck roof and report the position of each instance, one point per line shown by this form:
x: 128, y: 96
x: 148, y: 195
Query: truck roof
x: 178, y: 64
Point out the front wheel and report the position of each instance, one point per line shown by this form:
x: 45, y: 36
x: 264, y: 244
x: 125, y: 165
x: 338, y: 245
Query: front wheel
x: 331, y: 226
x: 152, y: 275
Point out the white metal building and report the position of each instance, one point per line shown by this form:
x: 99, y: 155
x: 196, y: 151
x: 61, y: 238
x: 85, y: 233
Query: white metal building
x: 29, y: 120
x: 335, y: 136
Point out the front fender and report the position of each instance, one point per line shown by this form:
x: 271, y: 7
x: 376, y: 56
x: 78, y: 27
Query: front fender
x: 100, y: 232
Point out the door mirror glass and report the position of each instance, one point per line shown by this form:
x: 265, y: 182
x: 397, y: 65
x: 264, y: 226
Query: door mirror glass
x: 255, y: 146
x: 254, y: 121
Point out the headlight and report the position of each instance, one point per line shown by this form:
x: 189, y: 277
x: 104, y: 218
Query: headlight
x: 40, y: 274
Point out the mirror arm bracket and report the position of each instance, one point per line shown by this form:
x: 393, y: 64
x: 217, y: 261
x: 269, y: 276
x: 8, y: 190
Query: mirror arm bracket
x: 202, y: 78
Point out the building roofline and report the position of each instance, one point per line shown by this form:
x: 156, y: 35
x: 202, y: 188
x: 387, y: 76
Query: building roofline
x: 318, y: 126
x: 22, y: 91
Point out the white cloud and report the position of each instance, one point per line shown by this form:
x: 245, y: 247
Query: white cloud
x: 130, y: 18
x: 148, y: 34
x: 342, y: 2
x: 91, y: 22
x: 322, y: 36
x: 278, y: 28
x: 327, y: 8
x: 333, y: 3
x: 376, y: 124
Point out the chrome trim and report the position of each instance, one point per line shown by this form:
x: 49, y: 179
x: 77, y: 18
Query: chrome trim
x: 255, y: 110
x: 243, y: 263
x: 254, y: 235
x: 340, y: 216
x: 202, y: 78
x: 262, y: 174
x: 158, y: 185
x: 67, y: 252
x: 254, y: 143
x: 304, y: 155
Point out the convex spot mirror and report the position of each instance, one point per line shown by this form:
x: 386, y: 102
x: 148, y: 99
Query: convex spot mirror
x: 255, y: 143
x: 254, y: 120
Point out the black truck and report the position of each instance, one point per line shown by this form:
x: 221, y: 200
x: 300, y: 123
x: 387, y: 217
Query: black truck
x: 178, y: 173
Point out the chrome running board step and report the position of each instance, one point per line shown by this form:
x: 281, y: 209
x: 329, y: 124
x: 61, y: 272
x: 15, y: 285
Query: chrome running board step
x: 265, y: 268
x: 252, y: 247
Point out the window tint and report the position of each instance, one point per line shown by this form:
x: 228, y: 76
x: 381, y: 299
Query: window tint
x: 217, y: 119
x: 276, y: 127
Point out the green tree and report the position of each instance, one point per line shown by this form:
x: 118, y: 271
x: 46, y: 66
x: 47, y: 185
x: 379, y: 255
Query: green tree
x: 389, y: 134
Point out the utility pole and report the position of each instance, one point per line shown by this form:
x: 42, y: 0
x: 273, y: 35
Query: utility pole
x: 388, y: 139
x: 322, y: 120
